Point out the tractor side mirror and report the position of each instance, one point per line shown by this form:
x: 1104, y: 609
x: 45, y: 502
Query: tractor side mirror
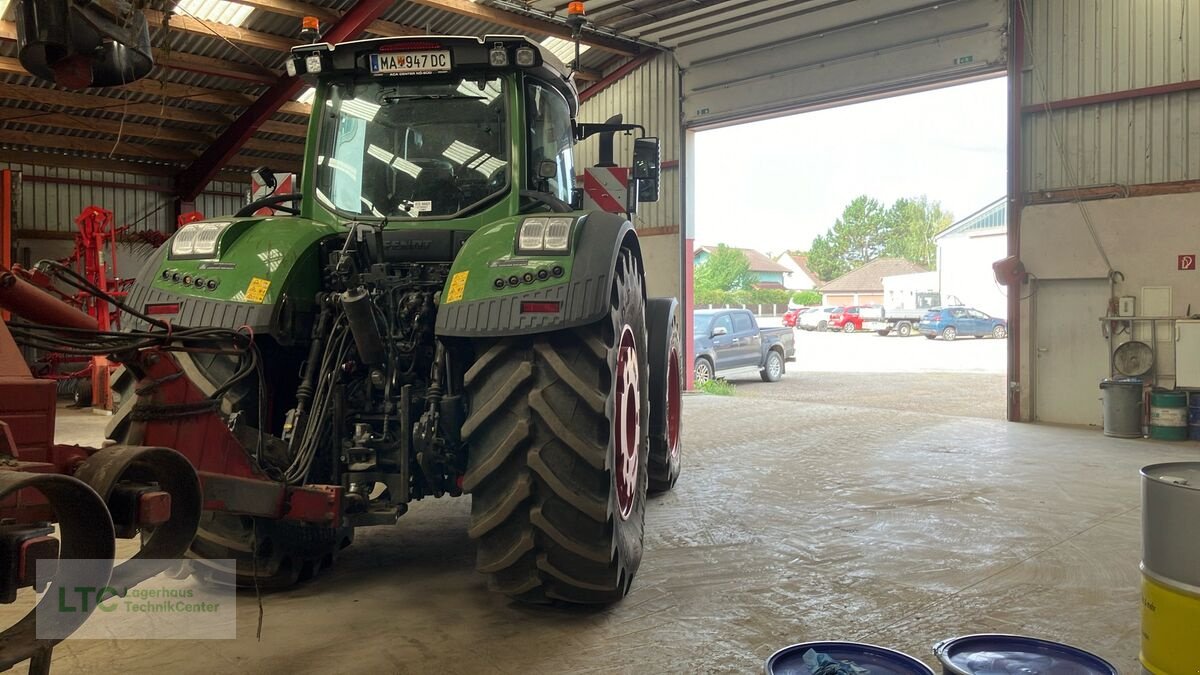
x: 646, y: 168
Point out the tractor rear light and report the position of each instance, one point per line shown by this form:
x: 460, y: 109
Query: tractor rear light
x: 558, y: 234
x: 532, y: 235
x: 526, y: 57
x: 540, y: 307
x: 185, y: 241
x: 545, y: 235
x: 197, y: 240
x: 162, y: 308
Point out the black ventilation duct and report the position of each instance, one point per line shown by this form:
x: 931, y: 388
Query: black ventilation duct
x: 80, y: 43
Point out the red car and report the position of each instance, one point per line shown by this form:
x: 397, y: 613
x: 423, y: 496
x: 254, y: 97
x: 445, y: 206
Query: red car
x: 848, y: 320
x: 792, y: 316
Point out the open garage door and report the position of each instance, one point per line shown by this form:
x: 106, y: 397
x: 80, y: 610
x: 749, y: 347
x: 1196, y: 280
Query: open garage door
x: 743, y: 60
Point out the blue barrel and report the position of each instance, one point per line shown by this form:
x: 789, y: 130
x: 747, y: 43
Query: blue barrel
x: 1194, y: 416
x: 876, y: 660
x: 979, y: 654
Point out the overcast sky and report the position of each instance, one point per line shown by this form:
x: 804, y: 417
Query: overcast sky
x: 776, y: 184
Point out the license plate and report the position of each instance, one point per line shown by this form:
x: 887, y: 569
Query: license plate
x: 411, y: 63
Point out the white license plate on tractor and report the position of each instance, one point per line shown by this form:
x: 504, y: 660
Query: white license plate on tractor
x: 411, y: 63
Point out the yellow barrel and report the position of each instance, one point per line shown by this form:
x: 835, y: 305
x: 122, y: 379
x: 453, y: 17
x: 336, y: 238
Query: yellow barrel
x: 1170, y: 627
x: 1170, y: 568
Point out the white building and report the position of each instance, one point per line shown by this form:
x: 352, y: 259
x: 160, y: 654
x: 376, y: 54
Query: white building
x: 799, y: 277
x: 965, y: 253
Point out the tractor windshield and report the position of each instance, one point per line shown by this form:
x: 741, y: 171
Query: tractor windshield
x: 404, y: 148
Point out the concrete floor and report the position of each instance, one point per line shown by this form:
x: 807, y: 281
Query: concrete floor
x: 794, y: 519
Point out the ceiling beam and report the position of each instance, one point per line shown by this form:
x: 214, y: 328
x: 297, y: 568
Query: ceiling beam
x: 200, y: 172
x: 152, y: 132
x: 70, y: 99
x: 169, y: 89
x: 528, y: 23
x: 214, y: 67
x: 99, y: 146
x: 104, y: 164
x: 327, y: 15
x: 284, y: 128
x: 217, y: 31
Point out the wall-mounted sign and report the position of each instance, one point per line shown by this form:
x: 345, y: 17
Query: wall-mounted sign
x: 1187, y: 261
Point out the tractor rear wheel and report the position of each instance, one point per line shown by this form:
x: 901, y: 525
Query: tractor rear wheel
x: 666, y: 394
x: 558, y: 432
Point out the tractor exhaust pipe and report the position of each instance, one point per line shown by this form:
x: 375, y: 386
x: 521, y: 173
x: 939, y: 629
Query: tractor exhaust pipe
x: 33, y: 304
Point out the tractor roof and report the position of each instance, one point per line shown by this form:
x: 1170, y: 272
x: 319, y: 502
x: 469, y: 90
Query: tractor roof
x: 467, y: 51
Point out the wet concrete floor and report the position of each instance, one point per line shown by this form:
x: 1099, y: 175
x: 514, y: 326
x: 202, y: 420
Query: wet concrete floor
x: 794, y: 520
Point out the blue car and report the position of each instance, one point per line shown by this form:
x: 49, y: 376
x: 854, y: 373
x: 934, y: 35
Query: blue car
x: 955, y: 322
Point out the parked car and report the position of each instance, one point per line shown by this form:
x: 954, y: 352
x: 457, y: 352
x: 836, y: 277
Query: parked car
x: 791, y: 318
x: 728, y: 339
x: 818, y: 318
x: 848, y: 319
x: 955, y: 322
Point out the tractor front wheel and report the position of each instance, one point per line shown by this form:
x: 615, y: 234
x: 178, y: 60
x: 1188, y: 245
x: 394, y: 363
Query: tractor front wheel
x: 558, y: 434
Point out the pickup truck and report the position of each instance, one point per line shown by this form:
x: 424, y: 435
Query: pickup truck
x: 729, y: 339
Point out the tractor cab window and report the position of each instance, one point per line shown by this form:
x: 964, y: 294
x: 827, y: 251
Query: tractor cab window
x: 407, y: 148
x: 550, y: 140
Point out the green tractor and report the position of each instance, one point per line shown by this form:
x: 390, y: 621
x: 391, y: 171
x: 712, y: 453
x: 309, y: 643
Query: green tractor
x: 436, y: 316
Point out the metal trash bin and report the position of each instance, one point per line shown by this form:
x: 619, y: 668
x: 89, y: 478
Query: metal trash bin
x: 1122, y: 407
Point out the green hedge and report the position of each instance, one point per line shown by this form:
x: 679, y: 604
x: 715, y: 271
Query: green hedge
x: 765, y: 296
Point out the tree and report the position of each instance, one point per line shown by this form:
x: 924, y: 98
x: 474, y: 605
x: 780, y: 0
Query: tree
x: 857, y: 238
x: 725, y: 269
x: 913, y: 223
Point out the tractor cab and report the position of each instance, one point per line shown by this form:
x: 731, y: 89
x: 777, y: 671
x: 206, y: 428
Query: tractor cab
x: 437, y: 129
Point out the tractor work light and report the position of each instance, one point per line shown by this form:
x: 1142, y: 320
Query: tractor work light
x: 312, y: 63
x: 198, y: 240
x: 290, y: 67
x: 558, y: 234
x: 546, y: 236
x: 526, y: 57
x: 498, y: 57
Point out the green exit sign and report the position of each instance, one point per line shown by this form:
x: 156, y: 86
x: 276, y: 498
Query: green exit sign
x: 963, y: 60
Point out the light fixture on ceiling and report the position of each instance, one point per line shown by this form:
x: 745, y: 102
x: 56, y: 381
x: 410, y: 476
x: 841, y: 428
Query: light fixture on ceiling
x: 307, y: 96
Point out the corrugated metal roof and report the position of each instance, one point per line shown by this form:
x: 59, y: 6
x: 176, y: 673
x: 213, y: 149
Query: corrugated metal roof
x: 994, y: 216
x: 186, y: 114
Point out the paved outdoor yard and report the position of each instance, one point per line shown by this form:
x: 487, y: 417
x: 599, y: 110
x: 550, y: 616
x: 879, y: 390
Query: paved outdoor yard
x: 863, y: 370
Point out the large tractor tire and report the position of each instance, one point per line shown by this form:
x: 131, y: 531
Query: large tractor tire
x: 558, y: 432
x: 288, y: 552
x: 666, y: 390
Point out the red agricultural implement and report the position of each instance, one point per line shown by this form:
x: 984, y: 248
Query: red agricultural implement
x: 184, y: 456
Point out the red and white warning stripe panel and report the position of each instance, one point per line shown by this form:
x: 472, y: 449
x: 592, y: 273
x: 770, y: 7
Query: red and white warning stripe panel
x: 605, y: 188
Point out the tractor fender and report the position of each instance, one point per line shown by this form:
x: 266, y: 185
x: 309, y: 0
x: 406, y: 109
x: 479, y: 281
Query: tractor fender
x: 582, y: 294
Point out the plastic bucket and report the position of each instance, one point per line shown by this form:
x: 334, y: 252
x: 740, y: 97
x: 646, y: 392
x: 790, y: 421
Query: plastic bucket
x: 877, y: 660
x: 1168, y: 415
x: 1122, y: 408
x: 978, y: 654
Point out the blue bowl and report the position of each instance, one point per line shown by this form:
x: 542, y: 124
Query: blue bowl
x: 1016, y: 655
x: 879, y: 661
